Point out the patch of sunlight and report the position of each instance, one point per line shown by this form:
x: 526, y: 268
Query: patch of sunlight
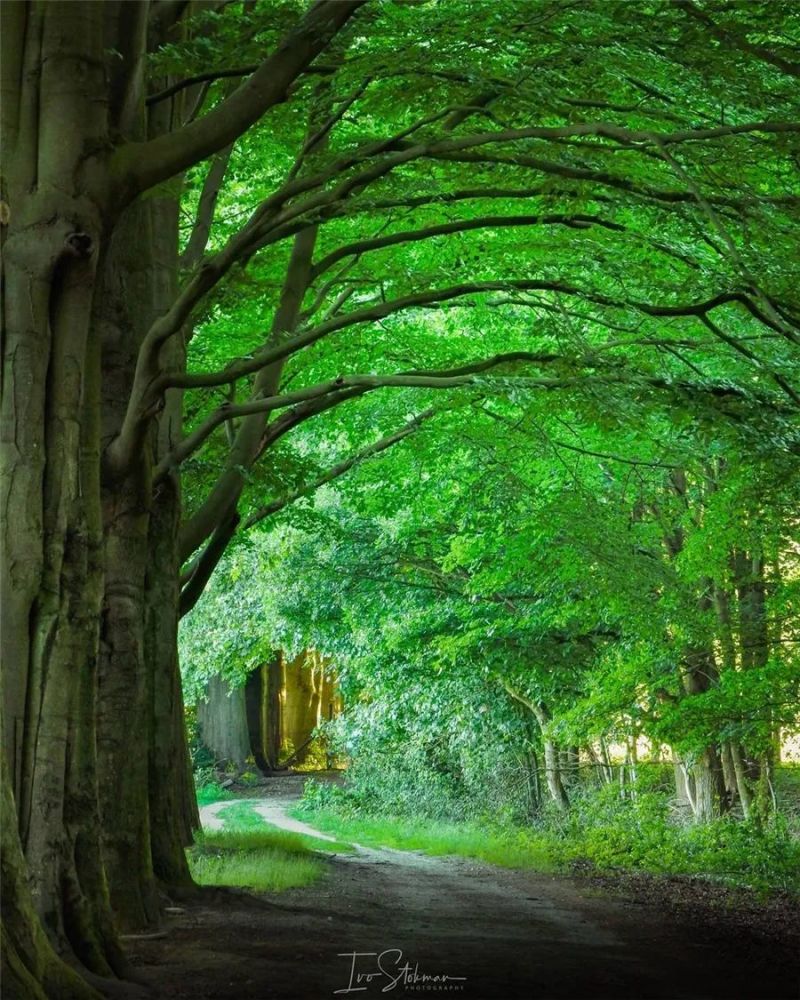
x: 506, y: 848
x: 249, y: 853
x: 267, y: 870
x: 245, y: 829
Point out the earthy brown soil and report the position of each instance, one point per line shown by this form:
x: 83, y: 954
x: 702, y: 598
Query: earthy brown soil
x: 508, y: 934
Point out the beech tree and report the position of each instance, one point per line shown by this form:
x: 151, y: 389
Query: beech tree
x: 615, y: 579
x: 364, y: 178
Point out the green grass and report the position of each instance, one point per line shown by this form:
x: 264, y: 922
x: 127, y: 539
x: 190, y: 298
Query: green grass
x: 212, y: 792
x: 609, y: 834
x: 510, y: 848
x: 249, y: 853
x: 247, y: 828
x: 265, y: 870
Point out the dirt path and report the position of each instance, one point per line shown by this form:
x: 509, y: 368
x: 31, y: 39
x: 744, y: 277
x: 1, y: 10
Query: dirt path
x: 496, y: 933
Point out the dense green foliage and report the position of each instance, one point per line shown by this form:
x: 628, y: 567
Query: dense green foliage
x: 560, y: 264
x: 603, y: 832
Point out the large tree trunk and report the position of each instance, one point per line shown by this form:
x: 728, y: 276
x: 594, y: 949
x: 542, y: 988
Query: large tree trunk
x: 552, y: 769
x: 173, y: 803
x: 125, y: 307
x: 74, y: 559
x: 52, y: 562
x: 148, y: 800
x: 30, y: 967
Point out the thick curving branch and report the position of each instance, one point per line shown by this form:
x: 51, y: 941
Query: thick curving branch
x: 576, y: 221
x: 141, y: 165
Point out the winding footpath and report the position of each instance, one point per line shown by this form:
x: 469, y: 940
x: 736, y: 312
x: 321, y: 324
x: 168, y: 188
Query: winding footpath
x: 404, y: 924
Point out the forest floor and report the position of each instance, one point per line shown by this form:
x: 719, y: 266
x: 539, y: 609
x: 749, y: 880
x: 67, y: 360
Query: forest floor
x: 475, y: 930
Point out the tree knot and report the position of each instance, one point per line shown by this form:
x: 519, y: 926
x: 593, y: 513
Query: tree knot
x: 79, y: 245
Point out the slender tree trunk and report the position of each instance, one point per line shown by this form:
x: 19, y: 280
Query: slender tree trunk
x: 740, y: 774
x: 735, y: 776
x: 552, y: 760
x: 250, y: 439
x: 173, y: 809
x: 684, y: 787
x: 754, y: 647
x: 247, y: 446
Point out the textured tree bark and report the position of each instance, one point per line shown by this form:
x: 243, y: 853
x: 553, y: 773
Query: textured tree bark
x: 223, y: 722
x: 30, y: 967
x: 73, y: 555
x: 52, y: 564
x: 124, y: 305
x: 173, y: 804
x: 742, y: 784
x: 709, y: 788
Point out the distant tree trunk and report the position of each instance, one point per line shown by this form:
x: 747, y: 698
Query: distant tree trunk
x: 273, y: 705
x: 263, y: 703
x: 740, y: 774
x: 552, y: 758
x: 552, y: 769
x: 754, y: 653
x: 733, y: 765
x: 683, y: 786
x: 705, y: 784
x: 223, y: 722
x: 709, y: 789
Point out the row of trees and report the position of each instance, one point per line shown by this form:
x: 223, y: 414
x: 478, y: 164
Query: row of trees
x: 627, y: 579
x: 224, y: 224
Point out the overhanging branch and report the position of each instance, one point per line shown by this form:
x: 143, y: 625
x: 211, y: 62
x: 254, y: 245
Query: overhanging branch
x: 339, y: 469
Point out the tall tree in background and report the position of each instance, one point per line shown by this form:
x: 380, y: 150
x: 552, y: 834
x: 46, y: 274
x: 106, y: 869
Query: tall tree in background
x: 535, y: 185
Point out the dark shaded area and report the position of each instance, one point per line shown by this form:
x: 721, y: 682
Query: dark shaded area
x: 512, y: 934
